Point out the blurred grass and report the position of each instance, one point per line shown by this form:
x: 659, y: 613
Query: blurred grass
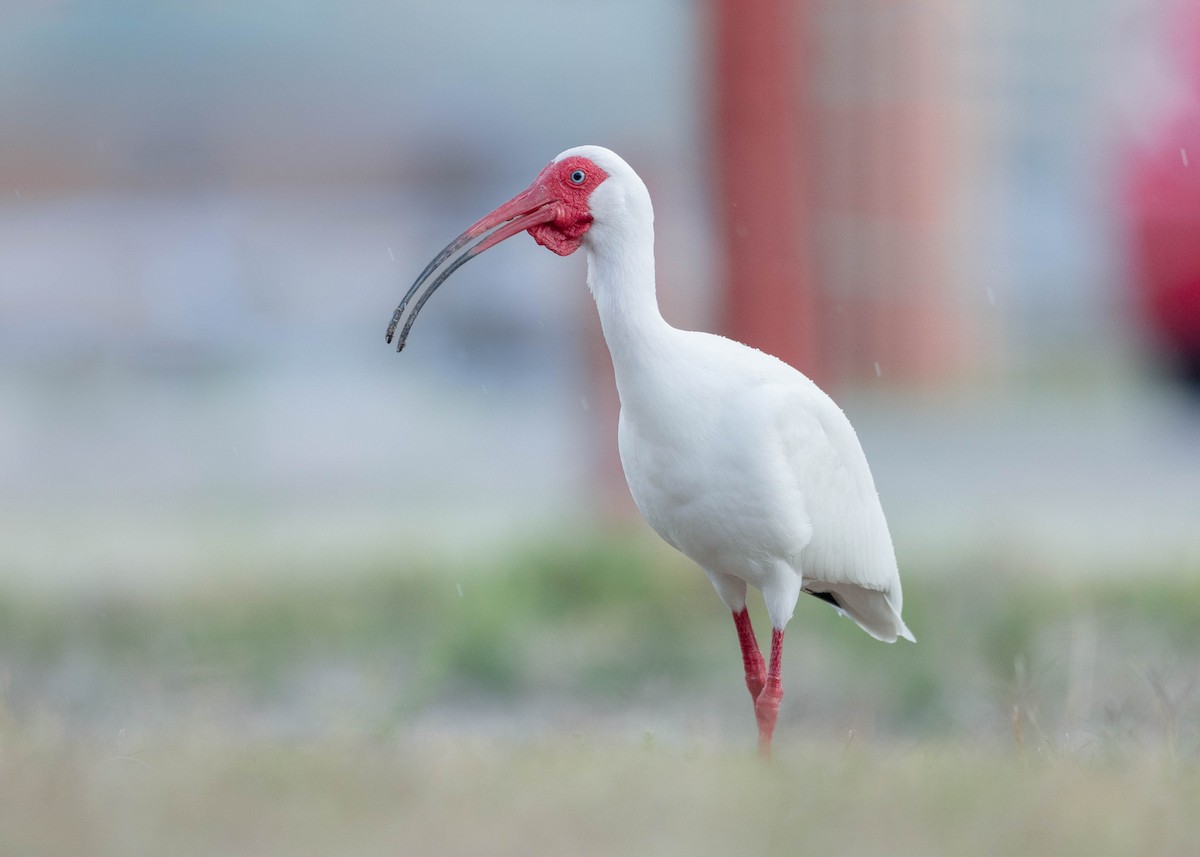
x: 454, y: 709
x: 606, y: 623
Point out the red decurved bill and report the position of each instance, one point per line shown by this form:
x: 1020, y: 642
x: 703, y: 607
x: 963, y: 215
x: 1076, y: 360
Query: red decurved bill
x: 532, y: 206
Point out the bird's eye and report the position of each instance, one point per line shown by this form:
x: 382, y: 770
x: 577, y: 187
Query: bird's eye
x: 578, y: 176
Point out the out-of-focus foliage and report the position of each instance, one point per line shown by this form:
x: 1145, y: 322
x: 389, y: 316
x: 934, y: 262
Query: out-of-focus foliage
x: 618, y: 634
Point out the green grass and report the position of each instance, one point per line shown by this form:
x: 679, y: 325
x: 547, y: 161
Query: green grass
x: 1107, y: 665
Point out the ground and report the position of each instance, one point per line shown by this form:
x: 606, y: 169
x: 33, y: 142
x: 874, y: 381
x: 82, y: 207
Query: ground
x: 217, y: 794
x: 585, y: 697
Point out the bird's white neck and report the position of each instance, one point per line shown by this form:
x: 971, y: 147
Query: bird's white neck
x: 621, y: 279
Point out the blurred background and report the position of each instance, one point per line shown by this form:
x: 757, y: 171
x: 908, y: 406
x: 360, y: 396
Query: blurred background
x: 224, y: 500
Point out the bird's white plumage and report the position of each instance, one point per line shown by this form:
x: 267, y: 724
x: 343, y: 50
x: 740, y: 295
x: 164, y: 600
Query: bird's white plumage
x: 732, y: 456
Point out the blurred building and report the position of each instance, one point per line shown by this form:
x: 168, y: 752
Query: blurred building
x: 208, y: 212
x: 958, y: 203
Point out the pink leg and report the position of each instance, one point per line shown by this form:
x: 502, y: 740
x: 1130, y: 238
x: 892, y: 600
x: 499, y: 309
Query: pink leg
x: 752, y: 659
x: 766, y: 707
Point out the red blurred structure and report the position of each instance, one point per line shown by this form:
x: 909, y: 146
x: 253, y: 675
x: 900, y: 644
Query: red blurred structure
x: 840, y: 138
x: 1163, y: 207
x: 762, y: 162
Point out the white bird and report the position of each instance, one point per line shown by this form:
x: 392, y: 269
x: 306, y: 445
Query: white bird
x: 732, y: 456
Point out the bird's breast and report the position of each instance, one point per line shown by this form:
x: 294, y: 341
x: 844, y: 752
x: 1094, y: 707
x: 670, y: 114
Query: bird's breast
x: 711, y: 485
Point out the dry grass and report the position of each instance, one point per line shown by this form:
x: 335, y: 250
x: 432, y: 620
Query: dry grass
x: 572, y: 796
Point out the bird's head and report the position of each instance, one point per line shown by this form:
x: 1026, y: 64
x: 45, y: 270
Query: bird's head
x: 585, y: 188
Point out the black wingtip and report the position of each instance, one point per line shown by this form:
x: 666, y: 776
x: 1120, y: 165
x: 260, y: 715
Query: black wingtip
x: 827, y: 597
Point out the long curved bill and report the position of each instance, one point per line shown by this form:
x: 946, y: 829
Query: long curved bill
x: 529, y: 208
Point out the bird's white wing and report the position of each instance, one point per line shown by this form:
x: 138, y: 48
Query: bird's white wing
x: 850, y: 554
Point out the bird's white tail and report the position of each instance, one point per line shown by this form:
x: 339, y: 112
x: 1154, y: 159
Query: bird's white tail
x: 872, y: 610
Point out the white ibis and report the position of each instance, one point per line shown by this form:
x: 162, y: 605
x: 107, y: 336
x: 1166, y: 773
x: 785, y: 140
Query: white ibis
x: 732, y: 456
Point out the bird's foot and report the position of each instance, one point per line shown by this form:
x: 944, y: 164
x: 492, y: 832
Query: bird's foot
x: 766, y: 712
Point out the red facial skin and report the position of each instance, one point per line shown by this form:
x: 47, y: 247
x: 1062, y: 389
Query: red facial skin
x: 572, y: 214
